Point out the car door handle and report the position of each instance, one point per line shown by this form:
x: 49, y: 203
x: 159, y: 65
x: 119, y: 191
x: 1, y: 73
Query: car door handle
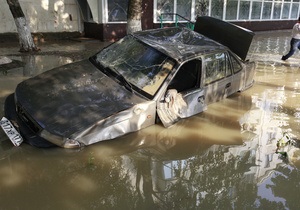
x: 201, y: 99
x: 228, y: 85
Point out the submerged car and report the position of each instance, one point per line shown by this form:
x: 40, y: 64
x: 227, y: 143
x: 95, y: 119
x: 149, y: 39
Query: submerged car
x: 160, y: 75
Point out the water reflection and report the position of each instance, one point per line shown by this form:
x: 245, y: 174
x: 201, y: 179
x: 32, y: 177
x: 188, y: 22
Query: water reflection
x: 24, y: 67
x: 224, y: 158
x: 31, y: 65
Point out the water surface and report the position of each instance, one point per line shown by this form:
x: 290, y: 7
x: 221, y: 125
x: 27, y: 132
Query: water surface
x: 223, y: 158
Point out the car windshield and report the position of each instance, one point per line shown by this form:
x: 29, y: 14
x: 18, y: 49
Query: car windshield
x: 142, y: 66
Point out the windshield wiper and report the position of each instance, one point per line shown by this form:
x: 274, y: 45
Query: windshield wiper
x: 122, y: 79
x: 107, y: 70
x: 100, y: 66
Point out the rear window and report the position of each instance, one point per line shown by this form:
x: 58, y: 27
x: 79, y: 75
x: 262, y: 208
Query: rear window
x: 235, y: 64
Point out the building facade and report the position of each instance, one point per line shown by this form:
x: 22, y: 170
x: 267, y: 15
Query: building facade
x: 106, y: 19
x: 44, y: 16
x: 257, y: 15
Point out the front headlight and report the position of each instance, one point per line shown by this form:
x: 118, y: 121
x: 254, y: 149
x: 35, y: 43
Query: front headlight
x: 71, y: 144
x: 60, y: 141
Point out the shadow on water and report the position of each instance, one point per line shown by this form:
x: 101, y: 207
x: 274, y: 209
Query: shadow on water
x: 223, y: 158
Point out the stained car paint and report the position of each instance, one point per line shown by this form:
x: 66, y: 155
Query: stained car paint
x: 79, y: 104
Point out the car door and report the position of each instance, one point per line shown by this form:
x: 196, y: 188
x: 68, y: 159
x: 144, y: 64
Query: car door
x: 218, y: 77
x: 184, y: 97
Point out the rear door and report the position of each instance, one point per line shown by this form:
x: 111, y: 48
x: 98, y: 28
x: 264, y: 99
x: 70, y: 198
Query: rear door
x: 184, y: 96
x: 218, y: 78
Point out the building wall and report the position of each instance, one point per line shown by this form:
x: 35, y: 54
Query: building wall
x: 111, y: 31
x: 267, y: 25
x: 112, y: 26
x: 44, y: 16
x: 109, y: 17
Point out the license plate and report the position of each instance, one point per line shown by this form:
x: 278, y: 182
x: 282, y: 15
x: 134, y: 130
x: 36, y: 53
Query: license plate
x: 11, y: 132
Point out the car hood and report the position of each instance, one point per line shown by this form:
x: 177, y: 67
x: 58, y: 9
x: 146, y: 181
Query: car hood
x: 72, y: 97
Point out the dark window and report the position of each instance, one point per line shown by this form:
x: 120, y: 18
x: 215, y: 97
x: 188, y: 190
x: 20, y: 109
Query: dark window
x: 117, y: 10
x: 187, y: 77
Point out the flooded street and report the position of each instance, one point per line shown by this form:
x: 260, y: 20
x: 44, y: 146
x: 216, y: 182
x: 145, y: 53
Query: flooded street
x: 241, y: 153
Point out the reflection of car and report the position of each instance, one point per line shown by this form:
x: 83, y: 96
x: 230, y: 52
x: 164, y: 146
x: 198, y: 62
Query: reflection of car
x: 150, y: 76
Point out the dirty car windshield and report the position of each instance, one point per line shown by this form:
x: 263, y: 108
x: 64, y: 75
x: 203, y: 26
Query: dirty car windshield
x: 141, y: 65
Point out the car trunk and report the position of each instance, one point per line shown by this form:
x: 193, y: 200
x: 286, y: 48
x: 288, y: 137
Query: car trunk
x: 226, y: 33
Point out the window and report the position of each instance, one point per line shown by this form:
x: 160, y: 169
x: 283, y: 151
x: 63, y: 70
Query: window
x: 231, y: 10
x: 187, y: 77
x: 295, y: 10
x: 117, y: 10
x: 256, y: 10
x: 164, y: 7
x: 217, y: 9
x: 235, y: 64
x: 180, y: 7
x: 261, y: 9
x: 277, y: 10
x: 217, y: 67
x: 285, y: 11
x: 184, y: 9
x: 267, y: 9
x: 228, y: 9
x: 244, y: 10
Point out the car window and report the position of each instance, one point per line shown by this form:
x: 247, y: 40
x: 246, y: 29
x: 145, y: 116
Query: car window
x: 187, y: 77
x: 235, y: 64
x: 217, y: 67
x: 143, y: 66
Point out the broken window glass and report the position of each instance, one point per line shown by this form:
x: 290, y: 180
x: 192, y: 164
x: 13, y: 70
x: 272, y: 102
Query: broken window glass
x: 187, y: 77
x: 141, y: 65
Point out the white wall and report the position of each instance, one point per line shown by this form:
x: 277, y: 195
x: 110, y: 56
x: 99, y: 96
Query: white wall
x: 44, y: 16
x: 94, y: 9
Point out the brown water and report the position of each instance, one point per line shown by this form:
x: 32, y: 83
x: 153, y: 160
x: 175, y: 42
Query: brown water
x: 224, y: 158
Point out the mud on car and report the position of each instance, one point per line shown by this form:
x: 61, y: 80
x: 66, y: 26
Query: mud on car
x: 153, y: 76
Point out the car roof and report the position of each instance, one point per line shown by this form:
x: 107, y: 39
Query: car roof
x: 179, y: 43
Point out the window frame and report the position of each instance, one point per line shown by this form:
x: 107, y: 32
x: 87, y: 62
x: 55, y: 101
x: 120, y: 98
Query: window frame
x: 199, y: 67
x: 293, y: 5
x: 228, y: 68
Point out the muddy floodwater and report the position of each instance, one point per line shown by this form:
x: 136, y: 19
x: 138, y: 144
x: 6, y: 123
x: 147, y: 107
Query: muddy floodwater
x: 241, y: 153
